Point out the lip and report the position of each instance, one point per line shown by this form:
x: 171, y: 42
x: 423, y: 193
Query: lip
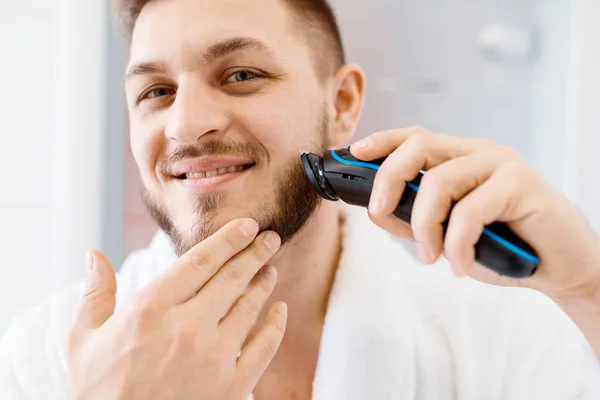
x: 207, y: 163
x: 207, y: 184
x: 211, y: 184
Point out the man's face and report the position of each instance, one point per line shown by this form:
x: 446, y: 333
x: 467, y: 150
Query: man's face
x: 222, y: 96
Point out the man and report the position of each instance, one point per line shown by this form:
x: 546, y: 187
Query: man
x: 272, y: 293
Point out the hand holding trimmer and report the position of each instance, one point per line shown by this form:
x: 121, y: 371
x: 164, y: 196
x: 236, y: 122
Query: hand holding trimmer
x: 338, y: 175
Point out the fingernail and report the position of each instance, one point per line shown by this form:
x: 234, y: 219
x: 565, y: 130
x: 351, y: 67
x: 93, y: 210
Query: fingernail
x: 427, y: 254
x: 249, y: 228
x: 361, y: 144
x: 272, y: 241
x: 423, y: 254
x: 376, y: 203
x: 270, y: 272
x: 89, y: 262
x: 282, y: 308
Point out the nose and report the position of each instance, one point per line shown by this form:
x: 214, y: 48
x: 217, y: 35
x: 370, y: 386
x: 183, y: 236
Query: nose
x: 195, y: 113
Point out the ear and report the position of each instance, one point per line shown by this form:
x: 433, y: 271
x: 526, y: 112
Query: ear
x: 347, y: 94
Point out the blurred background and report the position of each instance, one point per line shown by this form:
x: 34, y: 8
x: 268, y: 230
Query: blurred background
x: 522, y: 72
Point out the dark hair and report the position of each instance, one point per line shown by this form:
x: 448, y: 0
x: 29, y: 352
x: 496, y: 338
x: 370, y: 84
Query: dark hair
x: 315, y: 17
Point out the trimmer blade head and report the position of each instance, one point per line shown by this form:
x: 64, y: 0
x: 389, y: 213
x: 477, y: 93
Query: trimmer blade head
x: 313, y: 168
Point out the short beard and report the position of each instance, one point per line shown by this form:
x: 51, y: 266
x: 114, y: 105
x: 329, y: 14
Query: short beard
x: 295, y: 202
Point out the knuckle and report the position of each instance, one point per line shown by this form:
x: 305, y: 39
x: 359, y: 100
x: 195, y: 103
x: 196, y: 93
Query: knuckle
x: 251, y: 308
x: 270, y: 346
x: 214, y: 357
x: 486, y: 142
x: 419, y: 130
x: 435, y: 182
x: 514, y: 171
x: 516, y: 176
x: 417, y: 143
x: 201, y: 263
x: 233, y: 275
x: 383, y: 175
x: 234, y: 239
x: 259, y: 253
x: 143, y: 316
x: 231, y: 242
x: 461, y: 212
x: 94, y: 295
x: 183, y: 338
x: 509, y: 152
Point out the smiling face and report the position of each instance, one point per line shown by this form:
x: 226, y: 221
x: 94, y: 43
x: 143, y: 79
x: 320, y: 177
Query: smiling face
x: 222, y: 96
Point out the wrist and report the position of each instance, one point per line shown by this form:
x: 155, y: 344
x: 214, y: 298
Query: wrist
x: 578, y: 292
x: 582, y: 306
x: 585, y: 314
x: 584, y: 301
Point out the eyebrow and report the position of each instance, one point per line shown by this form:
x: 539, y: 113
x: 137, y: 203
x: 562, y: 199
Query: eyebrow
x: 214, y: 52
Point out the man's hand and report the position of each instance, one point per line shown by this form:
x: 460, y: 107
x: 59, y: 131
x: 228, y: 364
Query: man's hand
x: 180, y: 337
x: 490, y: 183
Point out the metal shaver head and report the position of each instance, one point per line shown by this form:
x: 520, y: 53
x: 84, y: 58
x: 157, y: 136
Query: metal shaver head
x: 313, y: 166
x: 338, y: 175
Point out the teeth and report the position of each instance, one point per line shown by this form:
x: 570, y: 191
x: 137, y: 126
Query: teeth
x: 208, y: 174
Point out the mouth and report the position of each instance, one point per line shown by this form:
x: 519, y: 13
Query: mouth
x: 211, y: 173
x: 215, y: 172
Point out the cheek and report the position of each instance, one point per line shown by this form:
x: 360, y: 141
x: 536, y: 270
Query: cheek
x: 146, y: 143
x: 282, y: 124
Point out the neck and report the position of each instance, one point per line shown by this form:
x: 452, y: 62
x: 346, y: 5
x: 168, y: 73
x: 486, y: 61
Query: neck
x: 306, y: 269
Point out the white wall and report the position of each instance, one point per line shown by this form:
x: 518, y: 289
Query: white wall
x: 51, y: 68
x: 582, y: 141
x: 550, y: 85
x: 26, y: 67
x: 79, y: 134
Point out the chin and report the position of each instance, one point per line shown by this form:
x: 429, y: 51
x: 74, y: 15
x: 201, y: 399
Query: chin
x: 224, y: 215
x: 209, y: 221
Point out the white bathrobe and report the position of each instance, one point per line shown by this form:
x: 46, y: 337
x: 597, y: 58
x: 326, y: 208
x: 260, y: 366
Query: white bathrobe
x: 394, y: 329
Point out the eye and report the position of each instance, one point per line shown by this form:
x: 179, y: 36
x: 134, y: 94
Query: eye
x: 156, y: 92
x: 242, y: 76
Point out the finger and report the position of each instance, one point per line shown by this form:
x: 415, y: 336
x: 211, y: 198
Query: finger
x: 245, y: 313
x: 393, y: 225
x: 418, y: 152
x: 381, y: 144
x: 99, y: 295
x: 195, y: 268
x: 444, y: 185
x: 486, y: 275
x: 223, y: 290
x: 259, y: 352
x: 497, y: 199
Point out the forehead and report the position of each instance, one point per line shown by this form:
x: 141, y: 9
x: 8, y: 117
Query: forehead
x: 173, y: 27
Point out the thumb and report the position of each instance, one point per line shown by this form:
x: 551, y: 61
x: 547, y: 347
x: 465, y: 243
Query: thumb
x: 98, y: 302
